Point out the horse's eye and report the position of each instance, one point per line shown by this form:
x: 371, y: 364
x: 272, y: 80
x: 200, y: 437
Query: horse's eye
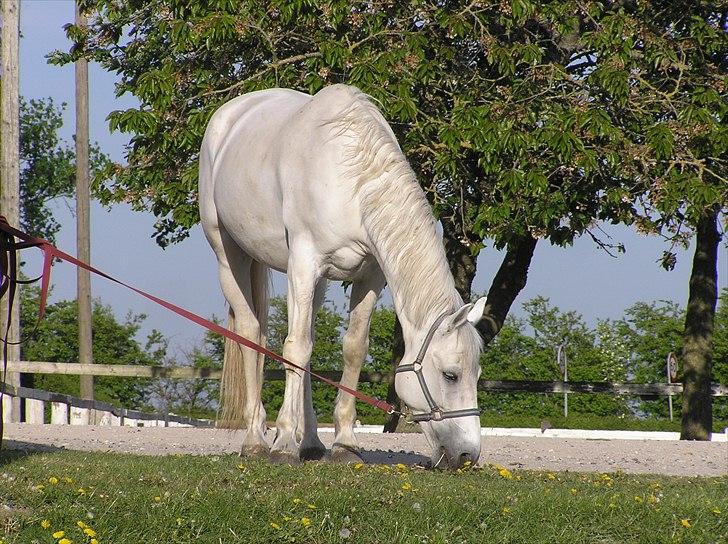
x: 449, y: 376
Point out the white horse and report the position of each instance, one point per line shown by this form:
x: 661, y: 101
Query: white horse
x: 317, y: 187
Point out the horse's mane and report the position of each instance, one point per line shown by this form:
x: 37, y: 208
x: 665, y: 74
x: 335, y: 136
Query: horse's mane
x: 395, y: 212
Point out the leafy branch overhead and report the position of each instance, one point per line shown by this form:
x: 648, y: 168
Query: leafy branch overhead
x: 522, y: 118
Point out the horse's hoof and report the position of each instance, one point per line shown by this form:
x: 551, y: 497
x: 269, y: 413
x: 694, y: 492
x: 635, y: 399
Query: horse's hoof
x: 313, y: 453
x: 255, y: 450
x: 279, y: 457
x: 345, y: 454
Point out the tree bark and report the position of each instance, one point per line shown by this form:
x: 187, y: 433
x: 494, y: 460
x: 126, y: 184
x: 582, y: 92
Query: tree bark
x: 509, y: 281
x: 463, y: 264
x: 697, y: 406
x: 390, y: 425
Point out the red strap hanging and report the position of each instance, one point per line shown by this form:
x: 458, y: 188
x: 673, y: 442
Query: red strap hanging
x: 50, y: 252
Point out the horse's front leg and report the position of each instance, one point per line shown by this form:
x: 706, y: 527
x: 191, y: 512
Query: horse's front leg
x: 364, y: 295
x: 292, y: 424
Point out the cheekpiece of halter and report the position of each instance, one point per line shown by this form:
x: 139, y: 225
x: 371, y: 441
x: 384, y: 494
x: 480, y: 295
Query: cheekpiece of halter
x: 435, y: 413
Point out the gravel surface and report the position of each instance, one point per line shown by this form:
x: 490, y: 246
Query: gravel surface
x: 581, y: 455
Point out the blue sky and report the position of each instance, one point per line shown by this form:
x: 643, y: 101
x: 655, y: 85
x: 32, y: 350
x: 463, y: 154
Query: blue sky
x: 581, y: 278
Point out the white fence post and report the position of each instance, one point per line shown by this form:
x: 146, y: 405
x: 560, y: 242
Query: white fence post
x: 34, y: 411
x: 7, y: 409
x: 79, y: 416
x: 59, y: 413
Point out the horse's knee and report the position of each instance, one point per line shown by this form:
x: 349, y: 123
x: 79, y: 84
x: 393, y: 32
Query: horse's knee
x: 298, y: 350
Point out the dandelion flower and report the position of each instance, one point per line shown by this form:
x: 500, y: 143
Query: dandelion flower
x: 81, y: 524
x: 68, y: 480
x: 638, y: 499
x: 59, y: 534
x: 275, y: 526
x: 157, y: 499
x: 287, y: 518
x: 505, y: 473
x: 407, y: 486
x: 241, y: 466
x: 81, y: 491
x: 53, y: 480
x: 505, y: 511
x: 686, y: 523
x: 305, y: 522
x: 551, y: 476
x: 65, y: 541
x: 93, y: 541
x: 358, y: 466
x: 716, y: 511
x: 89, y: 532
x: 311, y: 506
x: 45, y: 524
x: 297, y: 501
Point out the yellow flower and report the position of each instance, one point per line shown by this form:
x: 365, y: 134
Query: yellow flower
x: 358, y: 466
x: 505, y: 473
x: 81, y: 491
x: 716, y: 511
x: 305, y: 522
x: 275, y: 526
x: 93, y: 541
x: 401, y: 467
x: 45, y: 524
x: 157, y: 499
x: 53, y: 480
x: 551, y: 476
x: 59, y: 534
x: 505, y: 511
x: 81, y: 524
x: 68, y: 480
x: 297, y: 501
x: 311, y: 506
x: 639, y: 499
x: 241, y: 466
x: 686, y: 523
x: 287, y: 518
x: 65, y: 541
x: 89, y: 532
x: 573, y: 491
x: 407, y: 486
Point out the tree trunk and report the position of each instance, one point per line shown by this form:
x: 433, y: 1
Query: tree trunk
x: 390, y: 425
x: 509, y: 281
x: 463, y: 264
x: 697, y: 406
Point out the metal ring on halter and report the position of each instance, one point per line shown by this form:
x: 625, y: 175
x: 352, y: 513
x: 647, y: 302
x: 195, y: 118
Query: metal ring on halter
x: 435, y: 413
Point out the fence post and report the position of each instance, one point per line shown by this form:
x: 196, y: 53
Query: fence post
x: 7, y: 408
x: 34, y: 411
x: 59, y: 413
x: 79, y: 416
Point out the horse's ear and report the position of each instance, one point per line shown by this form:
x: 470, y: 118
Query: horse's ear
x: 469, y: 312
x: 476, y: 312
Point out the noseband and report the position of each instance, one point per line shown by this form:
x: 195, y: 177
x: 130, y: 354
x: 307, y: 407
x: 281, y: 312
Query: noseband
x: 435, y: 413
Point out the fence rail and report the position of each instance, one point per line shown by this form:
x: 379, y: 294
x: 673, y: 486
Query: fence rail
x: 35, y: 398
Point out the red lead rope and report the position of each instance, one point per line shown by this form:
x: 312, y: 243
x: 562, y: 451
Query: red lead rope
x: 50, y: 252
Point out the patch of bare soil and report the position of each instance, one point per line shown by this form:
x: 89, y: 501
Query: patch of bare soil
x: 557, y: 454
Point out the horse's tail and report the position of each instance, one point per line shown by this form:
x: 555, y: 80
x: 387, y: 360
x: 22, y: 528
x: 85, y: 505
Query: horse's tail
x: 233, y: 384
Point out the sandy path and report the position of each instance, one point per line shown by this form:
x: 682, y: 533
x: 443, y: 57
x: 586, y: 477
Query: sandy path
x: 630, y: 456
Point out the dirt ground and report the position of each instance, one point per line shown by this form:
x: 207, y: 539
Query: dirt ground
x: 557, y: 454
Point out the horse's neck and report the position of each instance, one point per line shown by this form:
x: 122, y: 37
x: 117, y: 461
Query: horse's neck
x: 409, y: 250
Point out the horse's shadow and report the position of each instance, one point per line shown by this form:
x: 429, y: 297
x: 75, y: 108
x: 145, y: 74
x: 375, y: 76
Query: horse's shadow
x: 12, y: 450
x: 381, y: 457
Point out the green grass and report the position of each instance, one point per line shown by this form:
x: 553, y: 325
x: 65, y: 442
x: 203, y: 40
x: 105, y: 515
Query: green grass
x: 130, y: 499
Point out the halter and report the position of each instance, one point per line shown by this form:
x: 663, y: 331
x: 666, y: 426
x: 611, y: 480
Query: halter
x: 435, y: 413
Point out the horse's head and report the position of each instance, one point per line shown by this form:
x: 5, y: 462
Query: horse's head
x: 439, y: 385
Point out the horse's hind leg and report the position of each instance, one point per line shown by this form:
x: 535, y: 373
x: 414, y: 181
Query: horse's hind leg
x: 364, y: 295
x: 244, y: 284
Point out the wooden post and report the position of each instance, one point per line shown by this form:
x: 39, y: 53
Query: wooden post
x: 83, y: 233
x: 9, y: 166
x: 59, y: 413
x: 34, y: 411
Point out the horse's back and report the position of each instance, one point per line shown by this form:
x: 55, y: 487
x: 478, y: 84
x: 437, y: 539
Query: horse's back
x: 274, y: 175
